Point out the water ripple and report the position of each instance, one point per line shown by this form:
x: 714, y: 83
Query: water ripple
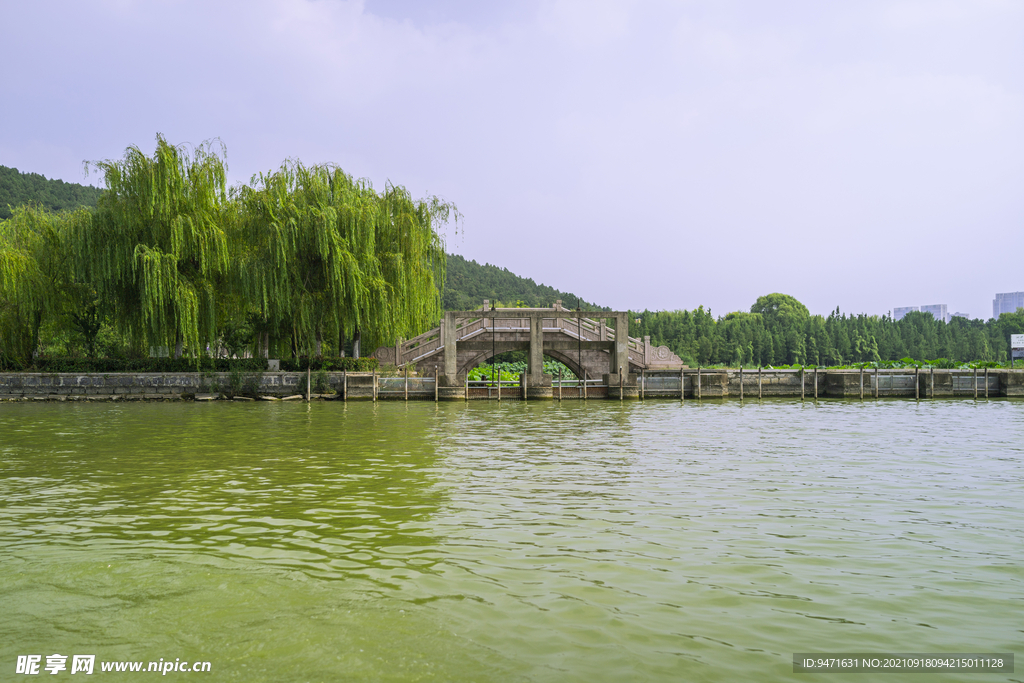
x: 602, y: 541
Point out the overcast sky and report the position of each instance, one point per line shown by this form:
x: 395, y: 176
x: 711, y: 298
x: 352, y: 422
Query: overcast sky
x: 656, y: 155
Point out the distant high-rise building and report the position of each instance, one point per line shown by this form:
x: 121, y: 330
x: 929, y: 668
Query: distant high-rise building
x: 938, y: 312
x: 900, y: 311
x: 1008, y: 302
x: 959, y: 315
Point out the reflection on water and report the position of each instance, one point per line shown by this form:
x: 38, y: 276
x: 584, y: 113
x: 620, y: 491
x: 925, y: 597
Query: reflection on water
x: 599, y: 541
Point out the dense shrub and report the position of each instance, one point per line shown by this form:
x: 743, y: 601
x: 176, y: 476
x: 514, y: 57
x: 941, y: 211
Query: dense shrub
x: 331, y: 364
x: 105, y: 365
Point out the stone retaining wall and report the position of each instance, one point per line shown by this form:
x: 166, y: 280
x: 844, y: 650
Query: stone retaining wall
x: 170, y: 385
x: 721, y: 383
x: 716, y: 383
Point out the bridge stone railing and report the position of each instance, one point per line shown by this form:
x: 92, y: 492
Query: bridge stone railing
x: 431, y: 343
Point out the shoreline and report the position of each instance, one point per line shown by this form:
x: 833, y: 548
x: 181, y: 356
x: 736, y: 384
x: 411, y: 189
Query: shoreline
x: 696, y: 383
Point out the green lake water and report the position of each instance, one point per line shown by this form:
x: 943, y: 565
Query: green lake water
x: 510, y: 542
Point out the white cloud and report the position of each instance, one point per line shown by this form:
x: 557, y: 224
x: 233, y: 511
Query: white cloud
x: 573, y: 135
x: 587, y: 23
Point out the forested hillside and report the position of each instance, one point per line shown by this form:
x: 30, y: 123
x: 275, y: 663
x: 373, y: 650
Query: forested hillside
x: 468, y: 283
x: 17, y: 188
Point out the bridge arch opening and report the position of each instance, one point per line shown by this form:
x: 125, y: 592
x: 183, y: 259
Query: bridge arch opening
x: 487, y: 359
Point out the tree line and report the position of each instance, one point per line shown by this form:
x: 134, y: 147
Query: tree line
x: 779, y: 330
x: 305, y: 261
x: 302, y: 261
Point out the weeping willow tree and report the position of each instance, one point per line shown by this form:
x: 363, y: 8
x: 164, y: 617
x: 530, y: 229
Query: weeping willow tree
x: 38, y: 283
x: 321, y: 256
x: 304, y: 256
x: 156, y: 249
x: 411, y: 257
x: 301, y: 234
x: 24, y: 295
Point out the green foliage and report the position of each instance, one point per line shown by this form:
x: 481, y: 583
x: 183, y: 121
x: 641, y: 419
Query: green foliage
x: 156, y: 249
x: 306, y: 258
x: 244, y: 383
x: 552, y: 367
x: 17, y: 189
x: 320, y: 256
x: 38, y: 284
x: 330, y: 364
x: 486, y: 373
x: 320, y: 382
x: 779, y: 332
x: 103, y: 365
x: 780, y: 310
x: 511, y: 371
x: 293, y: 265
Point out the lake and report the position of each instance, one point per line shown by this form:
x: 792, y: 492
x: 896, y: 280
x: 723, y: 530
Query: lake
x: 605, y: 541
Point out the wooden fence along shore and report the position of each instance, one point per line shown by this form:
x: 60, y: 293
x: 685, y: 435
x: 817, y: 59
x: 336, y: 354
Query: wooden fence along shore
x: 686, y: 384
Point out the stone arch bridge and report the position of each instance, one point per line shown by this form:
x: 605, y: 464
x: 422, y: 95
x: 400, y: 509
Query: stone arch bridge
x: 582, y: 340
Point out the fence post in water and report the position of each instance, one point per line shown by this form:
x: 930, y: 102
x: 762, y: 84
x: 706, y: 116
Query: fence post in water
x: 374, y: 385
x: 525, y: 380
x: 344, y: 385
x: 815, y: 382
x: 437, y: 376
x: 932, y: 378
x: 862, y: 382
x: 876, y: 381
x: 559, y: 383
x: 682, y: 386
x: 584, y: 389
x: 467, y: 387
x: 975, y: 382
x: 917, y: 383
x: 758, y: 382
x: 803, y: 384
x: 308, y: 397
x: 698, y: 381
x: 986, y: 382
x: 620, y: 383
x: 643, y: 377
x: 741, y: 381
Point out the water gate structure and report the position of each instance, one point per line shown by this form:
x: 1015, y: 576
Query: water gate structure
x: 593, y: 344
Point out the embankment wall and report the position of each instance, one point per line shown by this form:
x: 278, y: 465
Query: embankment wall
x: 716, y: 383
x: 157, y: 386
